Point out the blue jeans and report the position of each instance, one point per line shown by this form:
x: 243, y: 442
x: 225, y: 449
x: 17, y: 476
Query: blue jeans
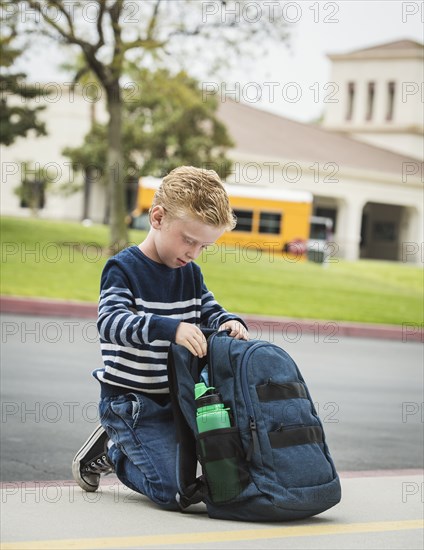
x: 144, y: 449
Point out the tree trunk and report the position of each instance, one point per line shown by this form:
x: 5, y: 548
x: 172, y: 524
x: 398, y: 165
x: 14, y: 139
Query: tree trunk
x: 88, y: 179
x: 115, y: 171
x: 89, y: 172
x: 106, y: 213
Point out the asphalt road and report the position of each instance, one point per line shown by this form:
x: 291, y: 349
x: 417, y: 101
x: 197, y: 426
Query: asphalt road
x: 369, y: 394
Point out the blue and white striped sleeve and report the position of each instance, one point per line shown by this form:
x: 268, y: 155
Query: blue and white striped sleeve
x: 119, y: 322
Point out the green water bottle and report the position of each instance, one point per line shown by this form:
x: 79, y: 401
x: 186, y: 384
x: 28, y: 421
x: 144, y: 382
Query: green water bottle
x: 217, y: 451
x: 211, y: 412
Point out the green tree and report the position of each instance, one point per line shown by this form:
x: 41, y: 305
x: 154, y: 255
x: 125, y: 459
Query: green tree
x: 170, y: 124
x: 17, y: 116
x: 166, y: 125
x: 91, y: 157
x: 108, y: 32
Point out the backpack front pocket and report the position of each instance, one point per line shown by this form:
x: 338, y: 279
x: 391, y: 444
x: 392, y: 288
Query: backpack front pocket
x: 221, y: 455
x: 294, y: 437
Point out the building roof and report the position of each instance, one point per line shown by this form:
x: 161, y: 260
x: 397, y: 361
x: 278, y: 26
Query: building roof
x: 396, y: 45
x: 397, y: 49
x: 270, y: 136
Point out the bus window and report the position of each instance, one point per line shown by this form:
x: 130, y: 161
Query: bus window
x: 270, y: 222
x: 244, y: 220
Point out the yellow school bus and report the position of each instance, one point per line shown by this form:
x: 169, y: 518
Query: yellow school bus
x: 267, y: 218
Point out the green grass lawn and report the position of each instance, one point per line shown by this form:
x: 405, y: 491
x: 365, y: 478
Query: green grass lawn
x: 65, y: 260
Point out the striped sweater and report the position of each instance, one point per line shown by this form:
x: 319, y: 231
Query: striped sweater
x: 141, y: 305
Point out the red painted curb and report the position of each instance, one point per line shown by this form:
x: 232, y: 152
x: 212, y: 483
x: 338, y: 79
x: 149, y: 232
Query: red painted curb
x: 330, y: 331
x: 46, y: 306
x: 260, y: 327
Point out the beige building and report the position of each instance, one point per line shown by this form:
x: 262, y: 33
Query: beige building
x: 363, y: 165
x: 379, y: 95
x: 375, y: 196
x: 67, y: 117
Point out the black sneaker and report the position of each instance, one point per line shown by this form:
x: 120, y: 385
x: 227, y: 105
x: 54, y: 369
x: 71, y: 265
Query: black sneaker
x: 91, y: 461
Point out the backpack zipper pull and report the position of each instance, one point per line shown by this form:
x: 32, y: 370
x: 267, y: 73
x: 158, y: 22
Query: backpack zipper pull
x: 254, y: 445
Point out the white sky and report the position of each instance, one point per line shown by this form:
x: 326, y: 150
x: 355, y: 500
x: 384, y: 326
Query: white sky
x: 322, y: 27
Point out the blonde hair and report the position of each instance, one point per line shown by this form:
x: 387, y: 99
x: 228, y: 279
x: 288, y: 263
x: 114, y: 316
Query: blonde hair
x: 196, y: 192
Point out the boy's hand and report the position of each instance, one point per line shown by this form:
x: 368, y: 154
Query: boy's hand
x: 238, y: 331
x: 191, y: 337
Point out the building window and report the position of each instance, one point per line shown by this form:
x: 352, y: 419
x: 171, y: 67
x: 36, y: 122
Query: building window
x: 370, y: 100
x: 350, y: 100
x: 32, y: 194
x: 390, y: 100
x: 244, y: 220
x: 270, y: 222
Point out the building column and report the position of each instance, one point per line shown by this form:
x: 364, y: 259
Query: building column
x: 350, y: 228
x: 411, y: 238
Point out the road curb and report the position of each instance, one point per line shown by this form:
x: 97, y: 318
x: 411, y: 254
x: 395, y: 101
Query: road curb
x: 45, y: 306
x: 260, y: 326
x: 330, y: 331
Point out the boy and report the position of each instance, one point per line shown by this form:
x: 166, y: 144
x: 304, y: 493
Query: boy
x: 151, y: 295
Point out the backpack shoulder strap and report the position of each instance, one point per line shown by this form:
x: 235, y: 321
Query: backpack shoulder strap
x: 181, y: 385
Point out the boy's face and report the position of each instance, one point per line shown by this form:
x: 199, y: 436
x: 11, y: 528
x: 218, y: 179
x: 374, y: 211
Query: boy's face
x: 179, y: 241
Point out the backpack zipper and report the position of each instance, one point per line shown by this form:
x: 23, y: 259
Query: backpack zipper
x: 254, y: 444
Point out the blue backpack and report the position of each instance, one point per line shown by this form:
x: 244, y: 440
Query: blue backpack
x: 273, y: 463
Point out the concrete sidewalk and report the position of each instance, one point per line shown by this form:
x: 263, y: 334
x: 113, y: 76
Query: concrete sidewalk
x: 260, y: 326
x: 382, y: 509
x: 379, y: 509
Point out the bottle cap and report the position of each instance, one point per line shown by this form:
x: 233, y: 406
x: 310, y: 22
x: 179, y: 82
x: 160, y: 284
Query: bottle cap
x: 200, y: 389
